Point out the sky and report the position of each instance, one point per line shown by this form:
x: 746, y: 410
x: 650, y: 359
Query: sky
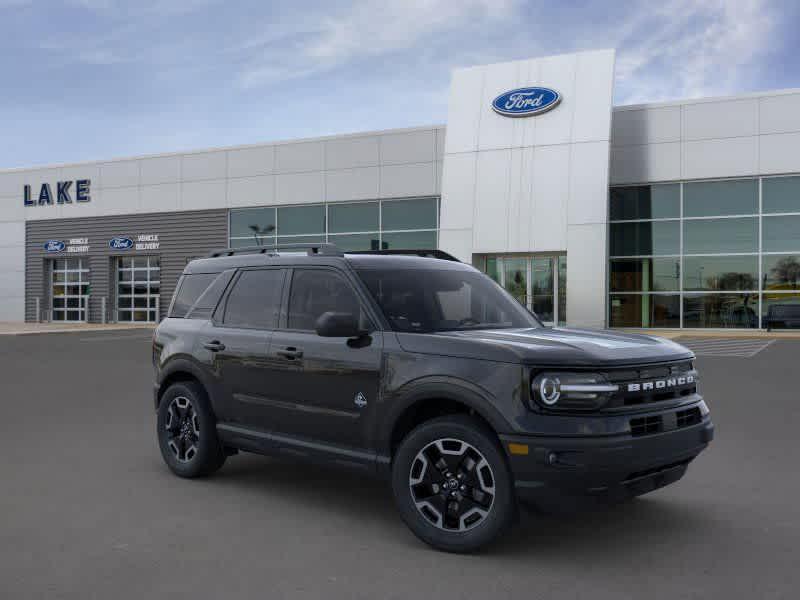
x: 97, y: 79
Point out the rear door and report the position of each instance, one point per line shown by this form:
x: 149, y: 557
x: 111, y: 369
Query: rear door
x: 235, y: 342
x: 323, y: 388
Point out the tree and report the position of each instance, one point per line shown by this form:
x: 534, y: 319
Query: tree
x: 786, y: 271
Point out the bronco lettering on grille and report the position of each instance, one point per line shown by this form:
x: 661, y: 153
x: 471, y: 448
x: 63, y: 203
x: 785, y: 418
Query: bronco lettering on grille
x: 660, y: 384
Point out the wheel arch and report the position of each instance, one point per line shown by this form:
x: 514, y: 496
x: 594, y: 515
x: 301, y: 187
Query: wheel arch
x: 434, y: 398
x: 181, y: 369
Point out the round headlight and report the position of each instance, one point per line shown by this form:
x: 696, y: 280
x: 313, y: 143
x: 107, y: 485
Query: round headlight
x: 549, y: 390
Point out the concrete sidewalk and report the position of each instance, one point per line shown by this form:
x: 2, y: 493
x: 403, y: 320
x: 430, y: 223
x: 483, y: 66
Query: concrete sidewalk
x: 717, y: 333
x: 7, y: 328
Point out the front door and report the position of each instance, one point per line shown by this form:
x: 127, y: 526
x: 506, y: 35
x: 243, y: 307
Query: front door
x: 539, y: 282
x: 324, y: 388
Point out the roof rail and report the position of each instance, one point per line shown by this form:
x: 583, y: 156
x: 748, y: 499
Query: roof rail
x: 440, y: 254
x: 311, y: 250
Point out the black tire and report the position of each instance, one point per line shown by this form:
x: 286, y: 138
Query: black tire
x: 190, y: 446
x: 452, y: 531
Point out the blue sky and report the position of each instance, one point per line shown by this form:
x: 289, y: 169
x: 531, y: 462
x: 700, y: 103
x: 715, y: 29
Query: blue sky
x: 96, y: 79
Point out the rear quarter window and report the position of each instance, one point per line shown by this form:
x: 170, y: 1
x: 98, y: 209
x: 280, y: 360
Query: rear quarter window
x: 189, y: 290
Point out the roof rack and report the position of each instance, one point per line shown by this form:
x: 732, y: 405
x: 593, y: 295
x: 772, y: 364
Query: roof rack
x: 311, y: 250
x: 440, y: 254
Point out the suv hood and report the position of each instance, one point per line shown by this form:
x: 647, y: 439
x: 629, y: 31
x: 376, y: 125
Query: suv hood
x: 548, y: 346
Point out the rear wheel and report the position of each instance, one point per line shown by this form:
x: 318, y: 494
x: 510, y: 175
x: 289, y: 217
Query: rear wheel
x: 187, y: 434
x: 452, y: 484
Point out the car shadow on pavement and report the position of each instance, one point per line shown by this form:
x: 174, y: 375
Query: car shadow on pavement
x: 593, y: 533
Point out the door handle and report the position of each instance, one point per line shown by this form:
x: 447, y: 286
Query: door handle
x: 290, y: 353
x: 214, y: 346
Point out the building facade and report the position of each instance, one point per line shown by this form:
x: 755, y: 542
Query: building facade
x: 681, y: 214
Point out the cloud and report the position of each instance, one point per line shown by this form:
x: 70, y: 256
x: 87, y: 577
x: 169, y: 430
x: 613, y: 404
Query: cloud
x: 691, y: 48
x: 366, y: 29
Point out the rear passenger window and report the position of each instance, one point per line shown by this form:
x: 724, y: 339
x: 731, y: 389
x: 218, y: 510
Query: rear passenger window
x: 316, y: 291
x: 255, y: 300
x: 190, y: 289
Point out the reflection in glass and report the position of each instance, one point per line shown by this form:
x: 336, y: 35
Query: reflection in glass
x: 644, y: 239
x: 352, y: 217
x: 718, y: 198
x: 542, y: 288
x: 720, y: 310
x: 781, y: 234
x: 516, y: 278
x: 780, y: 194
x: 645, y: 275
x: 645, y: 310
x: 298, y: 220
x: 357, y: 241
x: 492, y: 269
x: 774, y: 308
x: 252, y: 222
x: 414, y: 240
x: 645, y: 202
x: 781, y: 272
x: 718, y: 236
x: 419, y: 213
x: 562, y: 290
x: 720, y: 273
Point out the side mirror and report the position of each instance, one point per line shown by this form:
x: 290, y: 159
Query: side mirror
x: 338, y: 324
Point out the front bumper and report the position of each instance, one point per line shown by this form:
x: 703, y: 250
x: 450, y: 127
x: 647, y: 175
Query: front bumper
x: 559, y: 472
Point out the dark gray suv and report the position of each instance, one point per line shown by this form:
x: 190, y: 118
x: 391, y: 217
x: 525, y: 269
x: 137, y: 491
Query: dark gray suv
x: 418, y: 368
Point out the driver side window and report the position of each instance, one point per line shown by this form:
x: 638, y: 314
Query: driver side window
x: 317, y: 291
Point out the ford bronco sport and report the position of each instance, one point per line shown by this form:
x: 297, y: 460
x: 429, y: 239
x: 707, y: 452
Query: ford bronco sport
x: 419, y: 368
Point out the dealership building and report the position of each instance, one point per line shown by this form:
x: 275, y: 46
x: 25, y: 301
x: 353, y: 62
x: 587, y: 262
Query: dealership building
x: 678, y: 214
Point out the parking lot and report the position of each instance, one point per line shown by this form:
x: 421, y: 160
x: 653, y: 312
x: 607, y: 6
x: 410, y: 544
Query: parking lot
x: 90, y: 511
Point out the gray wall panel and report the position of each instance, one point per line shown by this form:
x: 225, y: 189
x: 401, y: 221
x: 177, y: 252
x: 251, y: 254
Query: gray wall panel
x: 182, y: 236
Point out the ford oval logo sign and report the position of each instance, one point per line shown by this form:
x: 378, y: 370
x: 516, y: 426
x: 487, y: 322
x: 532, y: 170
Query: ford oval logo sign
x: 526, y: 102
x: 54, y: 246
x: 120, y: 243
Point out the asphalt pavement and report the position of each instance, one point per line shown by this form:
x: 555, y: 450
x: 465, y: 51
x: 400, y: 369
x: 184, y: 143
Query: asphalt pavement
x: 90, y: 511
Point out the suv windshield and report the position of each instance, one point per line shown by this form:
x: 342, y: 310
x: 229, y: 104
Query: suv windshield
x: 427, y: 300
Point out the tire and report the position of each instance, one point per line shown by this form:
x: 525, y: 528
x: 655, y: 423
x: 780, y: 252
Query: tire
x: 484, y: 499
x: 190, y: 446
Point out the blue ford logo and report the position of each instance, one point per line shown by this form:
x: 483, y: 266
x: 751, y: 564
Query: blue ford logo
x: 120, y: 243
x: 525, y: 102
x: 54, y: 246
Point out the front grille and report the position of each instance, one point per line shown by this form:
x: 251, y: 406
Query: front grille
x: 649, y: 384
x: 646, y: 425
x: 688, y: 417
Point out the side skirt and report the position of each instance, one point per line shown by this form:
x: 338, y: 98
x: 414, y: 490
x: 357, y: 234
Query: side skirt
x: 273, y: 444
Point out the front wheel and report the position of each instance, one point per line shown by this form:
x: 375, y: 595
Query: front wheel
x: 452, y: 484
x: 187, y: 433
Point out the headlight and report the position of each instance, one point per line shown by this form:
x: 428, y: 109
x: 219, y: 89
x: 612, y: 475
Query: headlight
x: 576, y: 391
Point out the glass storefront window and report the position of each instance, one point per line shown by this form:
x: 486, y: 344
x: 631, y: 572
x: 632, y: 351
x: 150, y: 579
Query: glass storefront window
x: 718, y: 198
x: 299, y: 220
x: 350, y: 217
x: 720, y: 236
x: 301, y: 239
x: 720, y: 310
x: 562, y: 290
x: 252, y: 222
x: 781, y: 234
x: 644, y: 310
x: 419, y: 213
x: 411, y: 240
x: 780, y: 272
x: 780, y: 194
x: 358, y: 241
x: 720, y: 273
x: 645, y: 275
x: 644, y: 239
x: 645, y: 202
x: 772, y: 309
